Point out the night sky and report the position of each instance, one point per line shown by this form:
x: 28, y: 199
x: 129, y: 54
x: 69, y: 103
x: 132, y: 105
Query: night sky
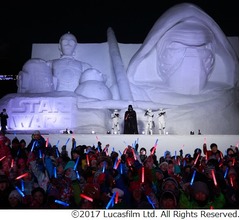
x: 23, y: 24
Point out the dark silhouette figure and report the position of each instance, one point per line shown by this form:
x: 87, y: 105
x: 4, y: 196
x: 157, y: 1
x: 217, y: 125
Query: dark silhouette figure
x: 4, y: 117
x: 130, y: 121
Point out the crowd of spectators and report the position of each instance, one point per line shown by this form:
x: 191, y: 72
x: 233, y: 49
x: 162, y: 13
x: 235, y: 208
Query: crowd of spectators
x: 38, y: 175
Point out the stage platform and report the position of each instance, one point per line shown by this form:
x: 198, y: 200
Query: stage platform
x: 171, y: 143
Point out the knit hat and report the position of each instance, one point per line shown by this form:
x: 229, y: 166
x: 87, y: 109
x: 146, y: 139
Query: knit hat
x: 169, y: 179
x: 37, y: 132
x: 15, y: 194
x: 200, y: 186
x: 163, y: 163
x: 157, y: 170
x: 168, y: 195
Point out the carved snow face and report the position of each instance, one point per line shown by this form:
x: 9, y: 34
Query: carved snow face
x: 68, y: 44
x: 185, y: 57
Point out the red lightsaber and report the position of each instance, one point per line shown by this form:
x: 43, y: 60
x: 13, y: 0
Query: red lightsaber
x: 214, y: 177
x: 21, y: 176
x: 86, y: 197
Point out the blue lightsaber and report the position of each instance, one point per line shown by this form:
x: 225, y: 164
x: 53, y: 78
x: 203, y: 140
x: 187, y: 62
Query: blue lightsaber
x: 20, y: 192
x: 67, y: 141
x: 226, y: 173
x: 75, y: 166
x: 111, y: 201
x: 33, y: 145
x: 55, y: 172
x: 22, y: 185
x: 61, y: 202
x: 150, y: 201
x: 193, y: 177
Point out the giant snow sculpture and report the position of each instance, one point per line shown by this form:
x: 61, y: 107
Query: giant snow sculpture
x: 185, y: 65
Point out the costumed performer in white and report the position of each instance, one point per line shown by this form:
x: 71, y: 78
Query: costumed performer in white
x: 115, y: 116
x: 162, y: 121
x: 150, y: 122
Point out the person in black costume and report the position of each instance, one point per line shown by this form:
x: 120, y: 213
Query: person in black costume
x: 130, y: 121
x: 4, y: 117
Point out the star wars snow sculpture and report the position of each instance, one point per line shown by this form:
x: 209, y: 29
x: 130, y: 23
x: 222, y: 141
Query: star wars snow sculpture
x: 186, y: 65
x: 149, y: 122
x: 115, y: 116
x: 188, y: 61
x: 162, y: 121
x: 35, y: 77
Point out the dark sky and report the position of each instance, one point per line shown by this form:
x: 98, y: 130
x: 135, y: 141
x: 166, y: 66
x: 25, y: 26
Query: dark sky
x: 23, y: 24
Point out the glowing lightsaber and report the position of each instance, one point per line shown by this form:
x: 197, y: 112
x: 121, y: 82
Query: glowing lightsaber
x: 150, y: 201
x: 22, y: 185
x: 21, y: 176
x: 78, y: 176
x: 117, y: 161
x: 226, y: 173
x: 12, y: 162
x: 214, y: 177
x: 142, y: 179
x: 2, y: 158
x: 86, y: 197
x: 111, y: 201
x: 67, y: 141
x: 20, y: 192
x: 87, y: 159
x: 61, y: 202
x: 231, y: 181
x: 104, y: 166
x: 233, y: 162
x: 47, y: 141
x: 57, y: 143
x: 154, y: 147
x: 55, y: 172
x: 75, y: 166
x: 134, y: 155
x: 40, y: 153
x: 121, y: 168
x: 33, y: 145
x: 116, y: 198
x: 195, y: 162
x: 193, y: 177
